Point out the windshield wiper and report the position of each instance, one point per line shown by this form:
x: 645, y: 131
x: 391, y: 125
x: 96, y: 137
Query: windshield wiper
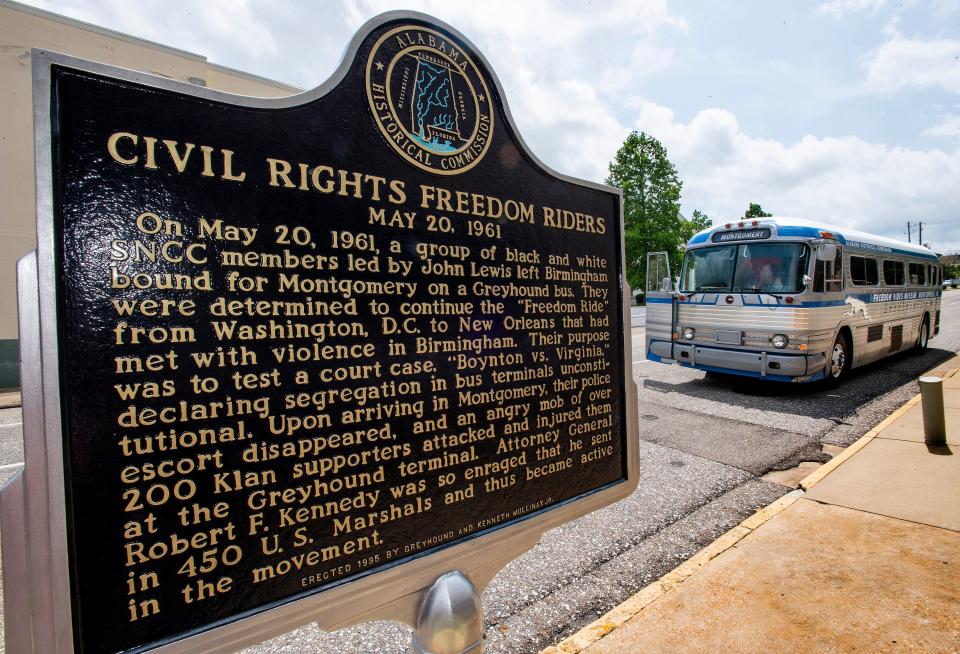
x: 760, y: 291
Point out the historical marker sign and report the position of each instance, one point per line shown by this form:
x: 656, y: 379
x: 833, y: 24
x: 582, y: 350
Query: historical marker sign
x: 301, y: 344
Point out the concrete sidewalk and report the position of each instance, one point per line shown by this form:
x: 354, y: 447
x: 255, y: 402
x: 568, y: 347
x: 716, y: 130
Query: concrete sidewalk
x: 865, y: 557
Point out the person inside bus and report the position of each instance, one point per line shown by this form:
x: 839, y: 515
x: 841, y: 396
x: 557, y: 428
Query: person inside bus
x: 768, y: 281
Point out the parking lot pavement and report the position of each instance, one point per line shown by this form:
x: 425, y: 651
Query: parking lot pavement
x: 754, y: 448
x: 837, y: 417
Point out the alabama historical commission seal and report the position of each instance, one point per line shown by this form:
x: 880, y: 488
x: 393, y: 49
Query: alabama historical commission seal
x: 429, y: 99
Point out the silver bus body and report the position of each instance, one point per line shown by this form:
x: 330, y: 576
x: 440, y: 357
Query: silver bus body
x: 734, y: 329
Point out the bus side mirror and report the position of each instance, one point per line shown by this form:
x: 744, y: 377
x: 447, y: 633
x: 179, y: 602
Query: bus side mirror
x: 807, y: 280
x: 826, y: 252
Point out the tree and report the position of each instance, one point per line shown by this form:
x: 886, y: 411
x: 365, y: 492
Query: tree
x: 700, y: 221
x: 950, y: 270
x: 651, y: 204
x: 756, y: 211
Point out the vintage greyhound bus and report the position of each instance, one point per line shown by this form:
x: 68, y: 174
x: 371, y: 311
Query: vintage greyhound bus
x: 789, y: 300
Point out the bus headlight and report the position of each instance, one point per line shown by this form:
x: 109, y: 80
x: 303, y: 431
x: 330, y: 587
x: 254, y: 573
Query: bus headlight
x: 688, y: 334
x: 779, y: 341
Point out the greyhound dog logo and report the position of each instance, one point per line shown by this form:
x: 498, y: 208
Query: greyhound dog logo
x: 856, y: 306
x: 429, y: 99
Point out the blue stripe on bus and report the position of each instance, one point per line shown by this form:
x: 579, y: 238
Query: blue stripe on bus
x: 743, y: 373
x: 792, y: 231
x: 797, y: 231
x: 659, y: 300
x: 866, y: 298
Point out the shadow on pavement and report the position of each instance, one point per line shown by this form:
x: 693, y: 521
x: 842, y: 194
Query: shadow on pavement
x: 811, y: 400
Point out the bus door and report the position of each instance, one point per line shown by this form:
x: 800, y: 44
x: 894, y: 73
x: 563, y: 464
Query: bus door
x: 660, y: 301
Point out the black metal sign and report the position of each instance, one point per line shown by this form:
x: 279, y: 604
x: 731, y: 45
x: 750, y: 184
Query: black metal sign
x: 300, y: 345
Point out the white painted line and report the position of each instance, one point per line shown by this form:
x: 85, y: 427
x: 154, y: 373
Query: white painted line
x: 10, y: 466
x: 644, y: 361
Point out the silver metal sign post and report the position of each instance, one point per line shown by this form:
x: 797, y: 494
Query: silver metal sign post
x: 35, y: 607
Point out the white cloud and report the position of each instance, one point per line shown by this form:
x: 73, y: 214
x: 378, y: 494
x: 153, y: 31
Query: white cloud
x: 840, y: 8
x: 848, y: 181
x: 949, y: 127
x: 570, y: 128
x: 904, y: 62
x: 201, y: 27
x: 540, y: 21
x: 613, y: 45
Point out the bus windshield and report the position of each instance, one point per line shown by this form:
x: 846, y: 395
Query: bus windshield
x: 746, y: 268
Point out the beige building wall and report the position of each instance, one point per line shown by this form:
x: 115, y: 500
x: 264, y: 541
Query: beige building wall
x: 23, y: 28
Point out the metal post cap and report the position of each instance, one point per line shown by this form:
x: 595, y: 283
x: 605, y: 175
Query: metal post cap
x: 450, y: 619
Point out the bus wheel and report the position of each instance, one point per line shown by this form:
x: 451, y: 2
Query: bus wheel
x: 839, y: 363
x: 923, y: 338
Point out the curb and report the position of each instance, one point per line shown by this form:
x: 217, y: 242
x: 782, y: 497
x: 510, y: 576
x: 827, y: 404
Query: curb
x: 632, y: 606
x: 9, y: 398
x: 629, y: 608
x: 817, y: 475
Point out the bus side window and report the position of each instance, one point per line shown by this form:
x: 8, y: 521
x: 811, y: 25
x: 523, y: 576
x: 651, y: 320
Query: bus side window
x: 828, y: 275
x: 863, y: 271
x: 917, y: 275
x: 892, y: 272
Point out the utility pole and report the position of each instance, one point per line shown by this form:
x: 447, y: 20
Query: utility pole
x: 910, y: 227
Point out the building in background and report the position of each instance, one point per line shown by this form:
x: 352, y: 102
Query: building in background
x: 23, y: 28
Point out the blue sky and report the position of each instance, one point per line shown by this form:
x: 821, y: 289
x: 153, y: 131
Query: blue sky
x: 789, y: 69
x: 847, y: 111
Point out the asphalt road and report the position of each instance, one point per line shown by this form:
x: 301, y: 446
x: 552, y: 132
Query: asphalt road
x: 705, y: 445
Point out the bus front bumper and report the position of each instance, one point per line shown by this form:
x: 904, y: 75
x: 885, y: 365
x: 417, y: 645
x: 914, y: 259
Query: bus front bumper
x: 773, y: 365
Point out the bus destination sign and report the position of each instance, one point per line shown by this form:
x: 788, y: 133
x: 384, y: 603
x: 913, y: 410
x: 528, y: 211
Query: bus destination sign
x: 741, y: 235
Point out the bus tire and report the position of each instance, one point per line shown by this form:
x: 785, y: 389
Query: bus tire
x: 923, y: 338
x: 838, y: 363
